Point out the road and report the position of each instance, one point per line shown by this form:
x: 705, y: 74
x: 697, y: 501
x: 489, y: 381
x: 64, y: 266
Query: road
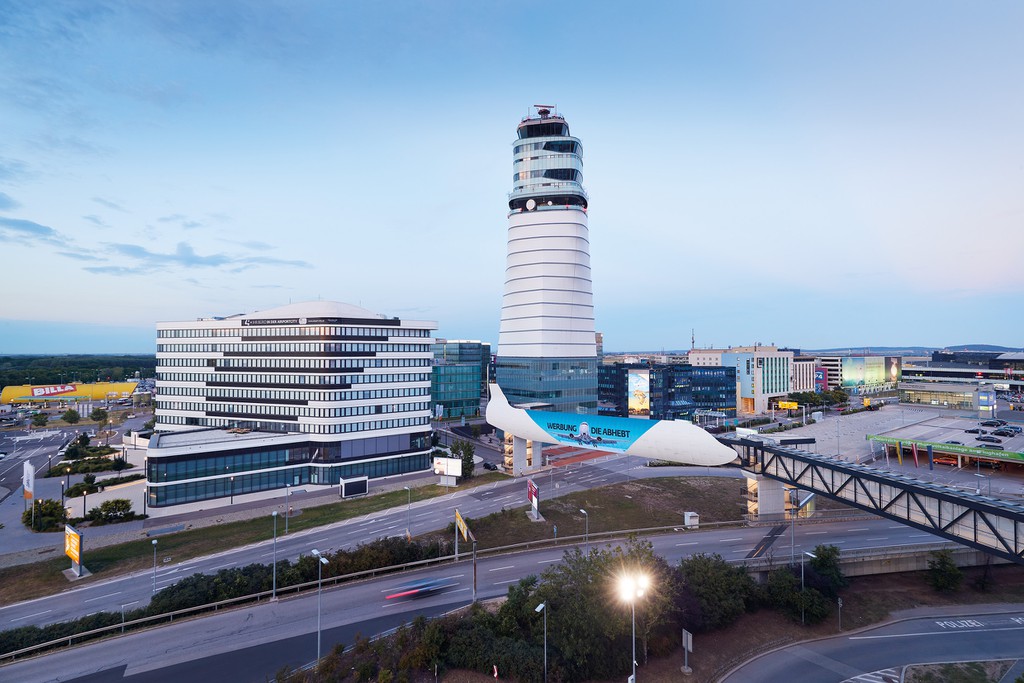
x: 969, y: 634
x: 285, y: 630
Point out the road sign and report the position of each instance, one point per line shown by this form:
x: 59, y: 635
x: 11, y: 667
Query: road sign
x: 461, y: 524
x: 72, y: 543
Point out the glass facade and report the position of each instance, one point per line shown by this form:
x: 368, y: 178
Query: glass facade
x: 568, y: 384
x: 676, y: 391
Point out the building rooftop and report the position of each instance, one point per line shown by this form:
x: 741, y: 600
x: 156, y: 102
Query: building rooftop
x: 314, y: 309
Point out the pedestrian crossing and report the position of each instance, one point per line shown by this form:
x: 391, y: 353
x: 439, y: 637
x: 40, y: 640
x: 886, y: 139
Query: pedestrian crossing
x: 890, y: 675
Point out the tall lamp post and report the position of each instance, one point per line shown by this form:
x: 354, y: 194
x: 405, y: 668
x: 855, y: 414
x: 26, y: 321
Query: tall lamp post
x: 408, y: 513
x: 802, y: 605
x: 154, y: 565
x: 586, y: 529
x: 287, y: 506
x: 540, y: 608
x: 273, y: 591
x: 232, y: 502
x: 319, y: 586
x: 631, y: 588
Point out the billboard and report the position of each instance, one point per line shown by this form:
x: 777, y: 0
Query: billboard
x: 72, y: 543
x: 460, y: 523
x: 638, y: 393
x: 820, y: 379
x: 893, y: 369
x: 40, y: 393
x: 533, y: 495
x: 788, y: 405
x: 28, y: 479
x: 450, y: 467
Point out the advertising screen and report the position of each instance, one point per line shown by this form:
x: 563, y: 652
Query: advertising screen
x: 638, y: 390
x: 72, y: 543
x: 853, y: 372
x: 893, y: 370
x: 820, y: 379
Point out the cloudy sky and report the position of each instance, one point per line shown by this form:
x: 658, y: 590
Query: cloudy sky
x: 804, y: 173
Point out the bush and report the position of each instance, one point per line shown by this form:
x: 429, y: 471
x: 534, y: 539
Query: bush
x: 50, y: 515
x: 943, y: 574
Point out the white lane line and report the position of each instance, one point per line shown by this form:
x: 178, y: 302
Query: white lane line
x: 221, y: 566
x: 814, y: 533
x: 500, y: 583
x: 727, y: 540
x: 690, y: 543
x: 110, y: 595
x: 937, y: 633
x: 548, y: 561
x: 321, y: 540
x: 857, y: 529
x: 498, y: 569
x: 29, y: 616
x: 879, y: 538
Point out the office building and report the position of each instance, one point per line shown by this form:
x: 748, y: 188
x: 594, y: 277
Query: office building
x: 547, y: 355
x: 665, y: 392
x: 305, y: 394
x: 459, y: 377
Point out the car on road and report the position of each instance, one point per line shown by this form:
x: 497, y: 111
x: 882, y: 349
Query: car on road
x: 975, y: 430
x: 130, y: 416
x: 2, y: 455
x: 988, y: 439
x: 419, y: 588
x: 490, y: 466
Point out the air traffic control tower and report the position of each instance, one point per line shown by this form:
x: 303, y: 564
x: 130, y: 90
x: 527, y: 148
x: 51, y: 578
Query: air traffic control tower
x: 547, y: 351
x: 547, y: 354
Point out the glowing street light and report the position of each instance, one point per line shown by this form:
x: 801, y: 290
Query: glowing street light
x: 631, y: 588
x: 586, y: 529
x: 154, y: 565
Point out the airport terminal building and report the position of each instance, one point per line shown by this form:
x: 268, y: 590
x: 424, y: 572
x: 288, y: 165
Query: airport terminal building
x: 309, y: 393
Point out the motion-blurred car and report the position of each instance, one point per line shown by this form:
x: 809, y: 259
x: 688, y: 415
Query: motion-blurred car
x: 420, y: 588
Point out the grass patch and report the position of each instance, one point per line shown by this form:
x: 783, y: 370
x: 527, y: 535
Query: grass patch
x: 637, y: 504
x: 961, y: 672
x: 25, y: 582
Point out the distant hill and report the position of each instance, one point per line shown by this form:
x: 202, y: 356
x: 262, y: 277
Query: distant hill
x: 858, y: 350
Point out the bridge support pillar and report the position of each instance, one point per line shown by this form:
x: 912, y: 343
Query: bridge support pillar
x: 527, y: 455
x: 771, y: 498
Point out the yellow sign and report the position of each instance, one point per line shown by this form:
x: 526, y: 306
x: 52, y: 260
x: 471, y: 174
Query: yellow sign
x: 461, y: 524
x: 867, y: 402
x: 788, y: 405
x: 72, y: 543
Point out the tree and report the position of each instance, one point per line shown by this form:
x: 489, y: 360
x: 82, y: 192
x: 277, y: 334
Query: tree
x: 50, y: 515
x: 40, y: 420
x: 71, y: 416
x: 720, y: 590
x: 99, y: 415
x: 120, y: 464
x: 943, y: 574
x: 828, y: 575
x: 466, y: 450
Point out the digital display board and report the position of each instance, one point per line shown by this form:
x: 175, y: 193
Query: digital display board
x: 638, y: 390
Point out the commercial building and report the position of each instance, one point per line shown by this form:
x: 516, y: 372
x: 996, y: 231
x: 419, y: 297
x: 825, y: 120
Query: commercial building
x: 459, y: 377
x: 308, y: 393
x: 763, y: 373
x: 861, y: 374
x: 547, y: 355
x: 1004, y: 371
x: 665, y: 392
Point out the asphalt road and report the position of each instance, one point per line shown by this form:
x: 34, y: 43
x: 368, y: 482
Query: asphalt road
x: 971, y: 635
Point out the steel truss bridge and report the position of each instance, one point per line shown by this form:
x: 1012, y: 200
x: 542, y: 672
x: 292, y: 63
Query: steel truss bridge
x: 989, y: 524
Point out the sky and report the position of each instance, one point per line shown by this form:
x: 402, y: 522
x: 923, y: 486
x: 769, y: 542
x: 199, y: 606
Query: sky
x: 813, y: 175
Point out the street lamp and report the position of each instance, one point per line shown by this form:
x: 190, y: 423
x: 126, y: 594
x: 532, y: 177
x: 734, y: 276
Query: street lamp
x: 540, y: 608
x: 319, y: 585
x: 154, y: 565
x: 273, y: 592
x: 984, y: 476
x: 802, y: 605
x: 62, y: 495
x: 287, y: 506
x: 586, y: 529
x: 232, y: 501
x: 408, y: 513
x: 631, y: 588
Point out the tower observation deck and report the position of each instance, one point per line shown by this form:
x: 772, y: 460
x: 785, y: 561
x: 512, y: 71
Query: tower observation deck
x: 547, y: 353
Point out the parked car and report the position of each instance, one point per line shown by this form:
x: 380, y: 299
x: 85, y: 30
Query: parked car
x: 988, y: 439
x: 975, y: 430
x: 1013, y: 428
x: 1002, y: 431
x: 958, y: 443
x: 991, y: 446
x: 490, y: 466
x: 990, y: 423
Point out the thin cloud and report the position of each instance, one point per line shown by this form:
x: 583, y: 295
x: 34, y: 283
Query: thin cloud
x: 19, y: 230
x: 6, y: 203
x: 107, y: 203
x: 117, y: 271
x: 181, y: 219
x: 185, y: 256
x: 173, y: 218
x: 79, y: 256
x: 13, y: 169
x: 92, y: 218
x: 258, y: 246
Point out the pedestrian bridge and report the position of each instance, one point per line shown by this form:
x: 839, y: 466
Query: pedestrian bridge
x: 982, y: 522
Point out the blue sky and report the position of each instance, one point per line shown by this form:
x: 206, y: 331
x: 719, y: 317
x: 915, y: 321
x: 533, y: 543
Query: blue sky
x: 804, y: 173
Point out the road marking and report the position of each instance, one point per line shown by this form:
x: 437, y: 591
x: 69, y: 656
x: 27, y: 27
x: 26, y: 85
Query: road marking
x: 548, y: 561
x: 499, y: 583
x: 879, y: 538
x: 498, y: 569
x: 936, y: 633
x: 727, y: 540
x: 690, y: 543
x: 102, y: 596
x: 858, y: 530
x: 29, y: 616
x: 814, y: 533
x: 221, y: 566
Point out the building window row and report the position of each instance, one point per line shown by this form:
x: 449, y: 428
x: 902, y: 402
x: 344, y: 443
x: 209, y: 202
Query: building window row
x: 307, y: 331
x: 281, y: 363
x: 344, y: 428
x: 298, y: 411
x: 232, y: 378
x: 289, y: 395
x: 313, y: 347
